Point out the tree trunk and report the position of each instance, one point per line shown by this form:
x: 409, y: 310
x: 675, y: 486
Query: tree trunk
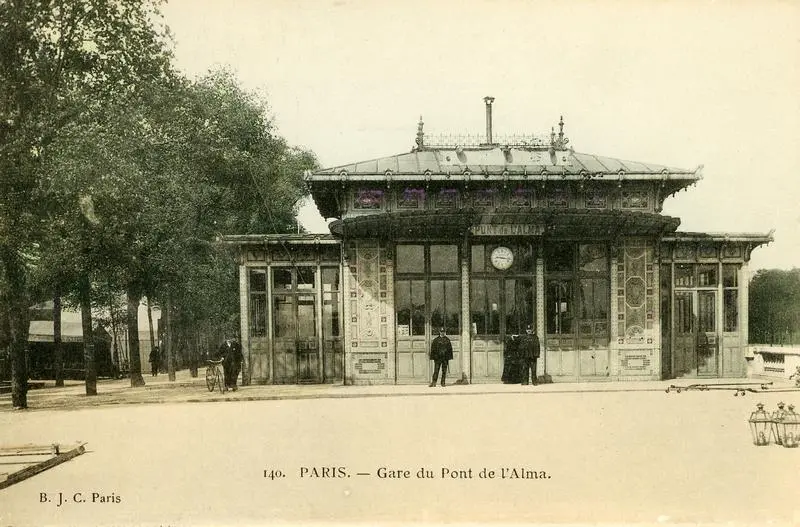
x: 18, y: 324
x: 58, y: 352
x: 115, y: 355
x: 133, y: 339
x: 194, y: 351
x: 150, y: 323
x: 168, y: 340
x: 89, y: 363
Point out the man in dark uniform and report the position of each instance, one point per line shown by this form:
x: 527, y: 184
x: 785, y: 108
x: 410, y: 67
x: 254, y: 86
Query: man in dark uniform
x: 155, y: 358
x: 529, y: 350
x: 231, y: 353
x: 441, y: 353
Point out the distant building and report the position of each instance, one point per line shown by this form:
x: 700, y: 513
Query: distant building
x: 483, y: 237
x: 41, y: 345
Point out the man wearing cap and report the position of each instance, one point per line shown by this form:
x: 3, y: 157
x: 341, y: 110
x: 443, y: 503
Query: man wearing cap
x: 441, y: 353
x: 529, y: 351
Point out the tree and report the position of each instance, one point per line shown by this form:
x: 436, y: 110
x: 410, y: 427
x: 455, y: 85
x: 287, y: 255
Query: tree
x: 49, y: 52
x: 774, y: 306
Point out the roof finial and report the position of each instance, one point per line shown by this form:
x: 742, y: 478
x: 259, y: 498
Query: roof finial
x: 562, y: 141
x: 420, y: 135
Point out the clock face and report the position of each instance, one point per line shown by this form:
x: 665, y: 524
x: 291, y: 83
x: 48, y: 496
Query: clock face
x: 502, y: 258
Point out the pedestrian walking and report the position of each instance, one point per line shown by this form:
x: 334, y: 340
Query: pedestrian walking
x: 155, y: 358
x: 529, y: 350
x: 231, y: 353
x: 441, y: 353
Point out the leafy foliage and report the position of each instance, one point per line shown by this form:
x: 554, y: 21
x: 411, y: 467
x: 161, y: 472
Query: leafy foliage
x: 119, y: 174
x: 775, y: 307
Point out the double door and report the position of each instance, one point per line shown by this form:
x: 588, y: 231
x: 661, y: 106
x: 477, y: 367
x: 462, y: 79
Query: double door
x: 501, y: 308
x: 306, y: 344
x: 423, y: 306
x: 696, y: 350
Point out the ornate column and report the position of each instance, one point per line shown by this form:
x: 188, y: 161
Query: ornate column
x: 244, y: 324
x: 616, y: 304
x: 541, y: 366
x: 270, y: 333
x: 466, y: 337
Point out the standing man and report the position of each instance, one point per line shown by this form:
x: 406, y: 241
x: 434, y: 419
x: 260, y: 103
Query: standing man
x: 529, y: 350
x: 231, y: 353
x: 441, y: 353
x: 155, y: 358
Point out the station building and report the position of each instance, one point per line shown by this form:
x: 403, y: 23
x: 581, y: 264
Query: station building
x: 484, y: 237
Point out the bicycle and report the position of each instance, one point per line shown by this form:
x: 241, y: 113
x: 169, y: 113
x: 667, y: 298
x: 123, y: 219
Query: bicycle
x: 214, y: 377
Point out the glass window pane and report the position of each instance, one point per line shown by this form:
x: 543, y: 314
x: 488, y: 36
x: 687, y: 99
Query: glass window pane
x: 477, y: 306
x: 602, y: 299
x: 284, y: 317
x: 452, y: 297
x: 258, y: 315
x: 493, y: 304
x: 281, y: 279
x: 478, y: 258
x: 410, y: 259
x: 684, y: 313
x: 305, y: 277
x: 731, y: 310
x: 707, y: 275
x: 330, y: 314
x: 730, y: 275
x: 592, y: 258
x: 444, y: 259
x: 437, y: 305
x: 512, y: 311
x: 306, y: 317
x: 330, y: 278
x: 258, y: 280
x: 559, y: 307
x: 417, y: 307
x: 586, y: 296
x: 519, y: 305
x: 559, y: 257
x: 706, y: 317
x: 330, y: 302
x: 524, y: 261
x: 402, y: 299
x: 684, y: 275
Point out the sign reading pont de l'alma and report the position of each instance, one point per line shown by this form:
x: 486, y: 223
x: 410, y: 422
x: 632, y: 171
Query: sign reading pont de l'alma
x: 507, y: 229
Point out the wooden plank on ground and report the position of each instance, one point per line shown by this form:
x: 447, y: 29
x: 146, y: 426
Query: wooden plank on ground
x: 57, y: 454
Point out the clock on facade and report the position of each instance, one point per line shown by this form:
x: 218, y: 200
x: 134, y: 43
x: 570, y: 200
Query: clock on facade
x: 502, y: 258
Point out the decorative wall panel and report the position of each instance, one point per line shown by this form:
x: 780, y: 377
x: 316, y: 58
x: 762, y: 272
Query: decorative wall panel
x: 636, y: 309
x: 369, y: 310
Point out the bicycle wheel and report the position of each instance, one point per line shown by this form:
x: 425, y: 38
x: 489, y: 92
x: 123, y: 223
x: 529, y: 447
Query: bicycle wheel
x: 211, y: 378
x: 220, y: 382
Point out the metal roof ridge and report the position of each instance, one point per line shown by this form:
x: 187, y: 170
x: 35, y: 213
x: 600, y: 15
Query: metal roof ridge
x: 645, y: 163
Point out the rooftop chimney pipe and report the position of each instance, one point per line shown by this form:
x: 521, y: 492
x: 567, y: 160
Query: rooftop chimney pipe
x: 488, y: 100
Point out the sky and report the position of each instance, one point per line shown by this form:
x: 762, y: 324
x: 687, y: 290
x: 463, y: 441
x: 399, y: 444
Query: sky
x: 677, y: 83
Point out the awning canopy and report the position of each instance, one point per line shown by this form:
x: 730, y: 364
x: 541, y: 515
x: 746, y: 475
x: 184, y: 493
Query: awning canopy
x: 506, y: 221
x: 42, y: 331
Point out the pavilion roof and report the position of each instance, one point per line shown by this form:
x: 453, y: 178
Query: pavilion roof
x: 498, y: 162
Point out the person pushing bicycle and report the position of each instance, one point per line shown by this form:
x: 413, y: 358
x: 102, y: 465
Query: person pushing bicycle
x: 230, y: 351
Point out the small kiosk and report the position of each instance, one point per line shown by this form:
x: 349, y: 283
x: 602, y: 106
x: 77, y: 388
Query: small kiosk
x: 483, y: 238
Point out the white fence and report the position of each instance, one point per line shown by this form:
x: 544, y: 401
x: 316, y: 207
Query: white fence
x: 773, y: 361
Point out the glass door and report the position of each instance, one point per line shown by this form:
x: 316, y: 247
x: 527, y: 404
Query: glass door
x: 502, y: 305
x: 685, y: 358
x: 295, y: 349
x: 706, y: 348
